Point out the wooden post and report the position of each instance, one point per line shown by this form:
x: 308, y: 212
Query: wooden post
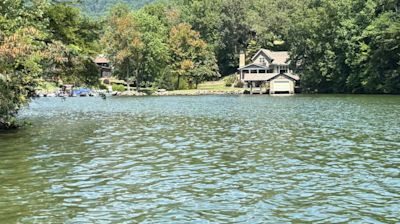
x: 261, y: 87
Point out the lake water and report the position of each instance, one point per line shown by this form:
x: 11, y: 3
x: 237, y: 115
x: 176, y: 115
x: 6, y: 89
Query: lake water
x: 205, y: 159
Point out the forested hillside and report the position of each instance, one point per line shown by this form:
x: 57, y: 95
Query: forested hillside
x: 98, y: 8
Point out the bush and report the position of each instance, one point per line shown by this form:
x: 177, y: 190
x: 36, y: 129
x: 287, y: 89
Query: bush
x: 48, y: 86
x: 118, y: 88
x: 230, y: 80
x: 165, y: 81
x: 13, y: 95
x: 183, y: 83
x: 239, y: 84
x: 103, y: 87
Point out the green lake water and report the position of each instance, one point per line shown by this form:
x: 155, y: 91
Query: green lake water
x: 204, y: 159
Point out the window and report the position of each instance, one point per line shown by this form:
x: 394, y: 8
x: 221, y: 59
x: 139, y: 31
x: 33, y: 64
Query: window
x: 262, y: 60
x: 262, y: 71
x: 283, y: 69
x: 270, y: 71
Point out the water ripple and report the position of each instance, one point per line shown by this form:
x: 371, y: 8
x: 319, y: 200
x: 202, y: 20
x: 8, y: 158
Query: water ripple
x: 211, y: 159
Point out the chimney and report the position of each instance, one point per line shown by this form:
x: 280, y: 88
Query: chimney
x: 242, y: 59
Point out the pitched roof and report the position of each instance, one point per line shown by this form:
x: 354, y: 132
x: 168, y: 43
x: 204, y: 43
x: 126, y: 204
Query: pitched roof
x: 278, y: 57
x: 101, y: 60
x: 260, y: 77
x: 291, y: 76
x: 253, y: 64
x: 270, y: 76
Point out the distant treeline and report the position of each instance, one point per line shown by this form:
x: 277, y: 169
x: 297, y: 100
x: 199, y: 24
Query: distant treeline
x: 98, y: 8
x: 349, y: 46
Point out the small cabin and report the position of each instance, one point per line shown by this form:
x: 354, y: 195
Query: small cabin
x: 104, y: 65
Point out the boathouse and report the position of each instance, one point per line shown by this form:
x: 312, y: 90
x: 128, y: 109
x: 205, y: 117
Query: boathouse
x: 104, y: 65
x: 269, y: 69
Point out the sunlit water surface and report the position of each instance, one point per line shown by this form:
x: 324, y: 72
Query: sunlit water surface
x: 208, y: 159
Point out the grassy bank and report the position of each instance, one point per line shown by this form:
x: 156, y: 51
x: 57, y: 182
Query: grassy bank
x: 208, y: 87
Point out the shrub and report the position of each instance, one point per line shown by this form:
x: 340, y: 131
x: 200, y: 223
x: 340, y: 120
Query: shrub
x: 183, y: 83
x: 230, y: 80
x: 118, y: 88
x: 106, y: 81
x: 239, y: 84
x: 13, y: 95
x: 103, y: 87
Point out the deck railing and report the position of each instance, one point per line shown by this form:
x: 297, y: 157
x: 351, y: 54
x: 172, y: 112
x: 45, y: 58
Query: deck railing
x: 257, y: 76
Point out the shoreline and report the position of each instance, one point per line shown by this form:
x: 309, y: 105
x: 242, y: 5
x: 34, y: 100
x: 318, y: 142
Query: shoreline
x: 158, y: 93
x: 198, y: 93
x: 205, y: 93
x: 234, y: 92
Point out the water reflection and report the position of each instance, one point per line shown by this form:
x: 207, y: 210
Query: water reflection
x: 204, y: 159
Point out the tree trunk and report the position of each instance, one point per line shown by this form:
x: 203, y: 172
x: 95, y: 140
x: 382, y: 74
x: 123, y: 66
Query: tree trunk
x: 127, y: 78
x: 190, y: 83
x: 177, y: 83
x: 137, y: 80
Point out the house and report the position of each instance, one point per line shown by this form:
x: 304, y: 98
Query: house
x: 268, y: 68
x: 104, y: 64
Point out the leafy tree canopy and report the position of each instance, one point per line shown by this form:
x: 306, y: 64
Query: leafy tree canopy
x: 41, y: 40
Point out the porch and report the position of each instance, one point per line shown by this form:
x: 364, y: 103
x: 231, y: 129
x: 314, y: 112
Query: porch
x: 253, y: 77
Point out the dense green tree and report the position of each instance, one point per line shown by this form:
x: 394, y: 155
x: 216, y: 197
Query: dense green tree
x: 380, y: 63
x: 205, y: 16
x: 221, y: 24
x: 136, y: 44
x: 191, y: 57
x: 347, y: 46
x: 36, y: 37
x: 270, y: 21
x: 98, y: 8
x: 167, y: 14
x: 122, y: 41
x: 21, y: 55
x: 252, y: 49
x: 235, y: 34
x: 76, y: 38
